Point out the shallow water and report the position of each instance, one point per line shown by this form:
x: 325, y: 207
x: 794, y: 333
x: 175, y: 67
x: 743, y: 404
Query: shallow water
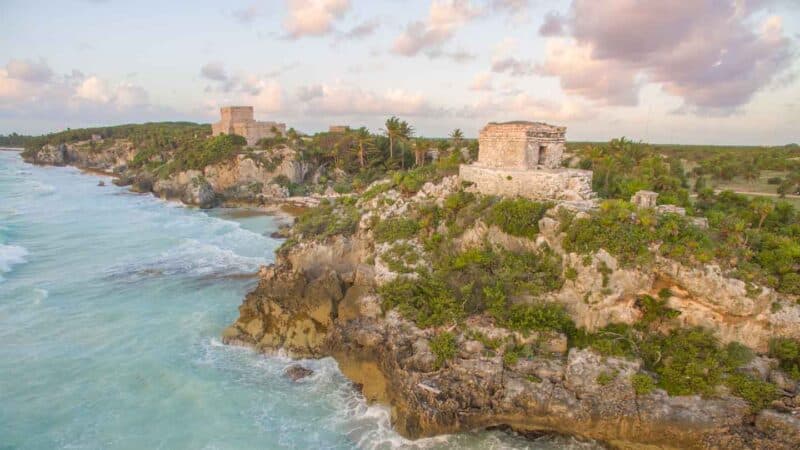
x: 111, y: 304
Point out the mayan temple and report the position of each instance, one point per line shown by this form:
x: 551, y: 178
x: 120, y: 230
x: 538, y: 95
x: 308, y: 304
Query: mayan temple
x: 524, y: 159
x: 239, y: 120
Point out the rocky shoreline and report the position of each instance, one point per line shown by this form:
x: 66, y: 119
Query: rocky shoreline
x: 235, y: 183
x: 321, y: 298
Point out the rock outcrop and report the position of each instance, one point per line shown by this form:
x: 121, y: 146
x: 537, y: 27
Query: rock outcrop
x: 321, y: 298
x: 247, y: 179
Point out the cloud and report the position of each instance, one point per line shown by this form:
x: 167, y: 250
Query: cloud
x: 522, y: 106
x: 511, y: 6
x: 31, y: 71
x: 361, y: 30
x: 553, y: 25
x: 515, y: 67
x: 313, y: 17
x: 306, y: 93
x: 247, y: 14
x: 445, y: 17
x: 344, y: 99
x: 713, y: 54
x: 481, y: 82
x: 36, y: 92
x: 503, y: 61
x: 458, y: 56
x: 214, y: 71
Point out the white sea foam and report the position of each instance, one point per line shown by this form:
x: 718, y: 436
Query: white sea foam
x: 39, y: 295
x: 192, y: 258
x: 11, y: 255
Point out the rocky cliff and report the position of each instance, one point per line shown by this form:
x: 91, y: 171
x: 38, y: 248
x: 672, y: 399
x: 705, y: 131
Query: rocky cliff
x: 324, y: 297
x: 243, y: 179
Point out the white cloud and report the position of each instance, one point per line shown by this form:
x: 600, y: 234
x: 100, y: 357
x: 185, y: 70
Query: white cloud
x: 31, y: 71
x: 481, y: 82
x: 313, y: 17
x: 343, y: 99
x: 445, y: 17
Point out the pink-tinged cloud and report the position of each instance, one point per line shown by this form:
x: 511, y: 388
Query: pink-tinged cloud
x: 711, y: 53
x: 313, y: 17
x: 344, y: 99
x: 445, y: 17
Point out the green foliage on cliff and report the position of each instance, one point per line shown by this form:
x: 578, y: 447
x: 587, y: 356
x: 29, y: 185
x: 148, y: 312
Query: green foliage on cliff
x: 625, y: 232
x: 396, y: 228
x: 444, y: 347
x: 642, y: 383
x: 787, y: 351
x: 330, y: 218
x: 165, y: 137
x: 14, y: 140
x: 519, y: 216
x: 425, y: 300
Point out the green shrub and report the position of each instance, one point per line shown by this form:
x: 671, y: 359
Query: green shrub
x: 444, y: 348
x: 606, y: 378
x: 400, y: 257
x: 787, y: 351
x: 518, y: 217
x: 376, y: 190
x: 328, y: 219
x: 394, y: 229
x: 539, y: 317
x: 427, y: 300
x: 756, y: 392
x: 643, y: 384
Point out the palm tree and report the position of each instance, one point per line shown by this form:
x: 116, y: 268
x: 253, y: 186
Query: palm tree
x: 420, y: 149
x: 405, y: 132
x: 364, y: 142
x: 392, y: 130
x: 457, y: 136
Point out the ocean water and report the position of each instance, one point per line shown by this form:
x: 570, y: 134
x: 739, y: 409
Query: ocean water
x: 111, y: 304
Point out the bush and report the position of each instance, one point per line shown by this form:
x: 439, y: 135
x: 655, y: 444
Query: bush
x: 756, y: 392
x: 426, y: 300
x: 400, y: 257
x: 787, y: 351
x: 643, y: 384
x: 328, y: 219
x: 539, y: 317
x: 444, y: 347
x: 518, y: 217
x: 395, y: 229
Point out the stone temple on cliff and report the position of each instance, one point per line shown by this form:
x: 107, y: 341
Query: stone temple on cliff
x: 239, y: 120
x: 524, y: 159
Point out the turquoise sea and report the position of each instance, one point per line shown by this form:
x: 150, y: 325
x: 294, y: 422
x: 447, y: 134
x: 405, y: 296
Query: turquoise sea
x: 111, y: 304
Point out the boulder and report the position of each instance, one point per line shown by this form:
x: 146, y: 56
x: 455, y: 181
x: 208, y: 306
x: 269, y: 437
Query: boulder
x: 296, y: 372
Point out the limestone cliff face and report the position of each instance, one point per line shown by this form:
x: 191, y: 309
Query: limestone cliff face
x: 246, y: 179
x: 320, y: 299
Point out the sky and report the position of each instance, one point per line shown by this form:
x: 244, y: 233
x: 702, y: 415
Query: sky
x: 664, y: 71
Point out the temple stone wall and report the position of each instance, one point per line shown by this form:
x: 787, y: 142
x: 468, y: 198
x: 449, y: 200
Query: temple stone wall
x: 521, y: 145
x: 524, y: 159
x: 239, y: 120
x: 545, y: 184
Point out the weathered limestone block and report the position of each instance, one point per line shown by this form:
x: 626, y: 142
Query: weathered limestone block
x: 545, y: 184
x: 645, y: 199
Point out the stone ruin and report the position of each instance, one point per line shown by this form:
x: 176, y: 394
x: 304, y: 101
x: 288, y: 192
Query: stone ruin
x: 239, y: 120
x: 649, y: 200
x: 524, y: 159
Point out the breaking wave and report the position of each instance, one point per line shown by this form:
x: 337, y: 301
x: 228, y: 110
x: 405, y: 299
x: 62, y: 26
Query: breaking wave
x: 11, y: 255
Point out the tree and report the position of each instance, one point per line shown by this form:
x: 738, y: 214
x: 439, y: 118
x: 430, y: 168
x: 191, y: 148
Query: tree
x: 420, y: 149
x: 392, y: 131
x: 457, y: 137
x: 364, y: 142
x: 404, y: 133
x: 762, y: 207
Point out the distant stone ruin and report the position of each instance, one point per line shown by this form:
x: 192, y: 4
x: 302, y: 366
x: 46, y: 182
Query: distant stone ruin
x: 524, y: 159
x: 239, y: 120
x: 338, y: 129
